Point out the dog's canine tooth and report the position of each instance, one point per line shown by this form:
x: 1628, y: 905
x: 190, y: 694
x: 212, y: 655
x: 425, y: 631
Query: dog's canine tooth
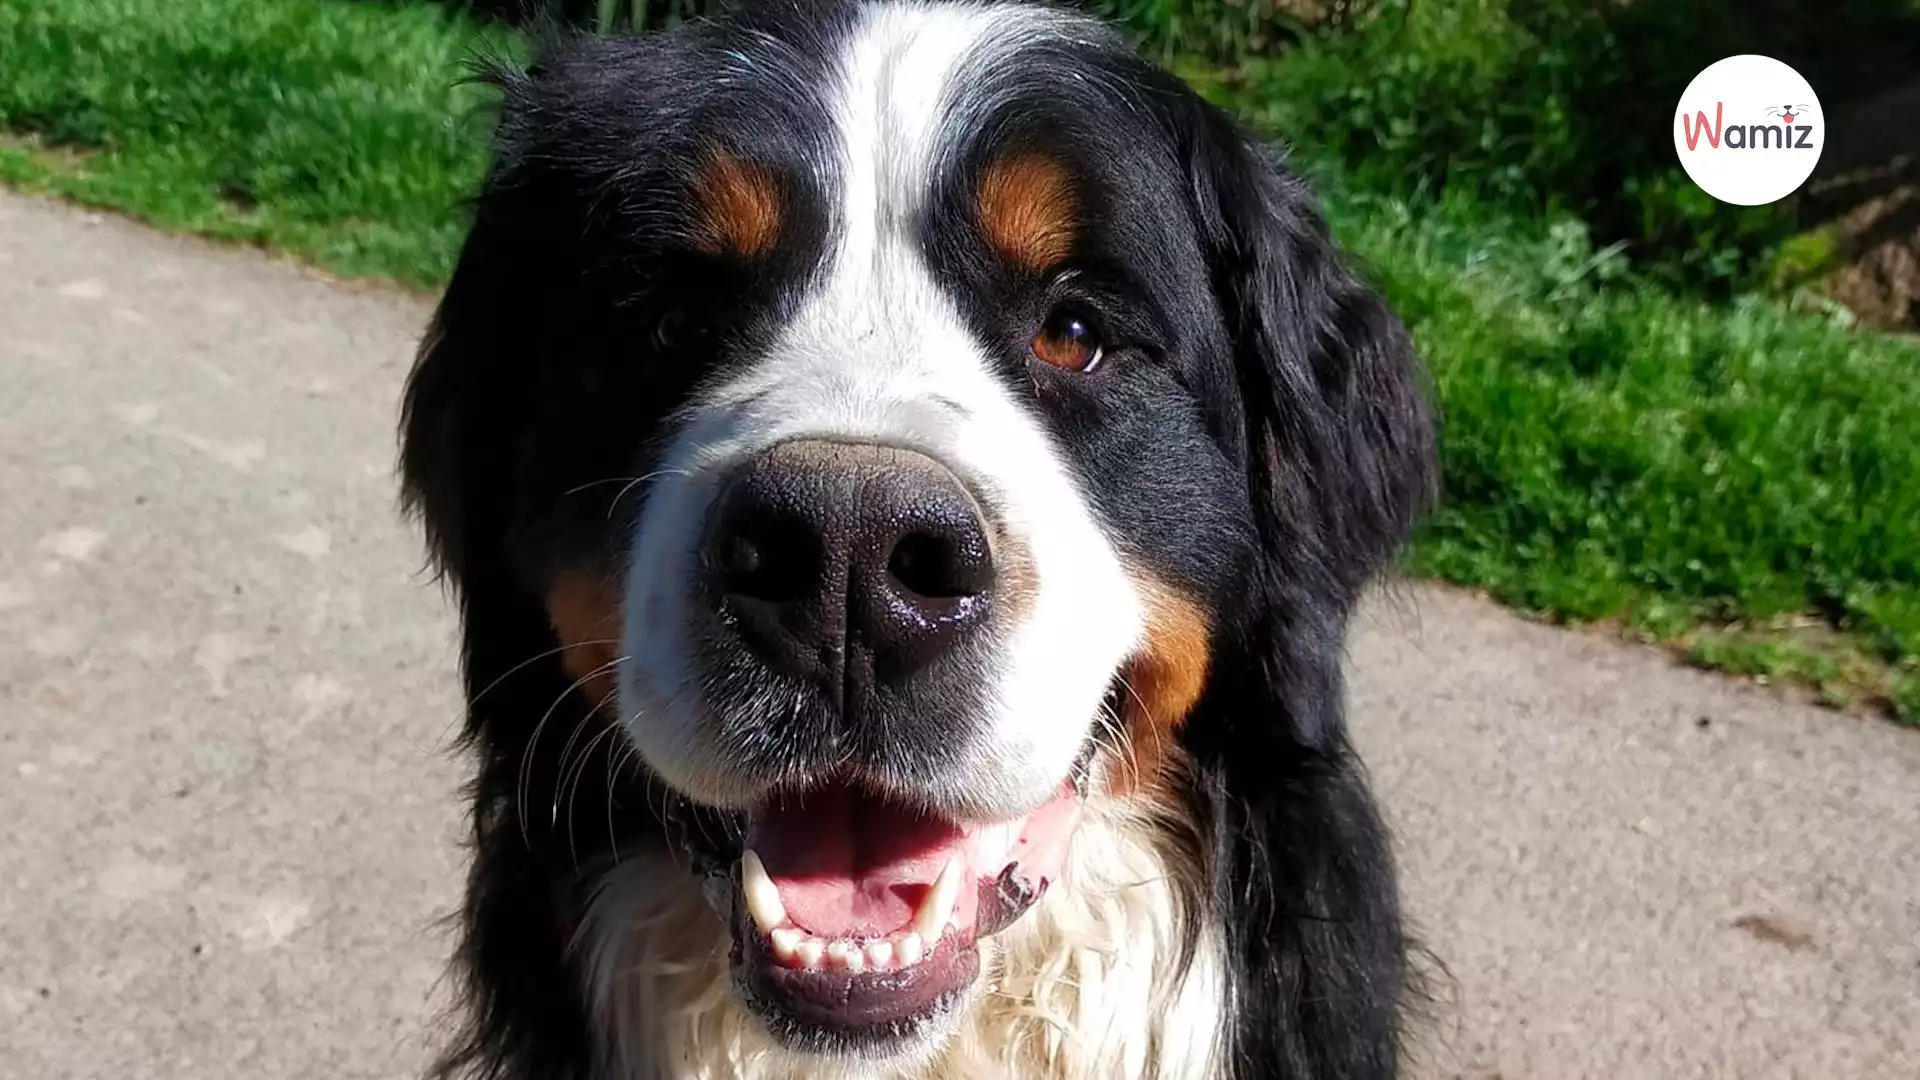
x: 937, y: 906
x: 908, y: 949
x: 763, y: 896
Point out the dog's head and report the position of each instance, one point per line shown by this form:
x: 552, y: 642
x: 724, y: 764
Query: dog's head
x: 895, y: 420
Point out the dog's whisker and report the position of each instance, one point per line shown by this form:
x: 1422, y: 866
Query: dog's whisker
x: 580, y: 726
x: 637, y: 481
x: 572, y: 786
x: 523, y: 781
x: 624, y: 753
x: 534, y: 659
x: 663, y: 813
x: 627, y: 480
x: 1122, y: 735
x: 567, y: 759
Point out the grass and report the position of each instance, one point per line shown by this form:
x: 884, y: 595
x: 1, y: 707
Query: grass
x: 1741, y: 482
x: 329, y: 130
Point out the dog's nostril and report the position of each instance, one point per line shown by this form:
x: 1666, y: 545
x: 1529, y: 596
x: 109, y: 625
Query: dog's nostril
x: 771, y: 559
x: 939, y: 568
x: 738, y: 558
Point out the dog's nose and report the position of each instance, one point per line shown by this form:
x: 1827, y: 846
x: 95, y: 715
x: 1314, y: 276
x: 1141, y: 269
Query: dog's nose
x: 834, y: 560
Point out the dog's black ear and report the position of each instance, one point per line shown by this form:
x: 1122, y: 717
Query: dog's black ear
x: 1341, y: 433
x: 460, y: 372
x: 481, y: 360
x: 1339, y: 436
x: 434, y: 433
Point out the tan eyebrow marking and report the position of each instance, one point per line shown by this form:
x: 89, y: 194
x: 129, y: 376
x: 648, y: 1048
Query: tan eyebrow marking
x: 1029, y: 210
x: 740, y: 207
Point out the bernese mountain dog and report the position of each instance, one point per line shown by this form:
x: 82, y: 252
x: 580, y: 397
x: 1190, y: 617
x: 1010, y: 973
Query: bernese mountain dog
x: 906, y: 469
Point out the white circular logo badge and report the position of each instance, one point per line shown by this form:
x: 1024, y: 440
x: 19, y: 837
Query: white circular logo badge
x: 1749, y: 130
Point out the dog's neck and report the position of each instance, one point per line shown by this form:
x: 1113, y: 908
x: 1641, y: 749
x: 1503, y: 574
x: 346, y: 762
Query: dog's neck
x: 1089, y: 985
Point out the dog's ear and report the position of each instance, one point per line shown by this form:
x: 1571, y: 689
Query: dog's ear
x: 1338, y: 434
x: 455, y: 424
x: 1341, y: 437
x: 433, y: 433
x: 464, y: 360
x: 470, y: 386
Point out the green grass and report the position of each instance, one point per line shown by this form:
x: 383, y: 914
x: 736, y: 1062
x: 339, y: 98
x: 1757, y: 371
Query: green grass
x: 1718, y: 477
x: 331, y: 130
x: 1741, y: 482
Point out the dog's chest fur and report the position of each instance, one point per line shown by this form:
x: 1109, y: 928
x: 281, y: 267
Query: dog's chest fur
x: 1090, y: 985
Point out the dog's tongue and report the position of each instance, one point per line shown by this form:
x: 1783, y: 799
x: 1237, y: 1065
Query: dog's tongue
x: 851, y: 865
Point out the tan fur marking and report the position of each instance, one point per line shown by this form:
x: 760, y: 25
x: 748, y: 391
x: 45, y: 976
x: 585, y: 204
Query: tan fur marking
x: 584, y: 607
x: 740, y: 208
x: 1166, y: 679
x: 1029, y: 211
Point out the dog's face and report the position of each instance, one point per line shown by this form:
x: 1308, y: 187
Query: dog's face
x: 865, y: 397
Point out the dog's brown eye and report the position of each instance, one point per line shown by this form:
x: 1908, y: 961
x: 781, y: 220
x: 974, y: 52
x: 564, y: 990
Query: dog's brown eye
x: 1069, y: 341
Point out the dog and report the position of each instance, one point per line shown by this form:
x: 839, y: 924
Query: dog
x: 906, y: 469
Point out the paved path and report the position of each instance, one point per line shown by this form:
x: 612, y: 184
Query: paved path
x: 230, y: 823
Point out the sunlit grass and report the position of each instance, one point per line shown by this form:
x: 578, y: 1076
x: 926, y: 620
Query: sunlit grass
x: 335, y: 131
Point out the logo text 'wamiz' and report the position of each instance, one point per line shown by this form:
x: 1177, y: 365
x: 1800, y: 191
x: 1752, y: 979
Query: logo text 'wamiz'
x: 1784, y: 136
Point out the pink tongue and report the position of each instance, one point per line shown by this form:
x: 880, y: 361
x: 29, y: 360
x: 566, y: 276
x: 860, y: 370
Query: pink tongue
x: 850, y: 865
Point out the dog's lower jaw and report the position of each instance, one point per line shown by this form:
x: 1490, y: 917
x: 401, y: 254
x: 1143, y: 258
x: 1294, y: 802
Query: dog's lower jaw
x: 1088, y: 985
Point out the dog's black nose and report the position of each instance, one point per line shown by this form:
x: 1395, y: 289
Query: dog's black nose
x: 838, y: 561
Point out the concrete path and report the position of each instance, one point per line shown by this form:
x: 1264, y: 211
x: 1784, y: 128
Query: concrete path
x: 231, y: 822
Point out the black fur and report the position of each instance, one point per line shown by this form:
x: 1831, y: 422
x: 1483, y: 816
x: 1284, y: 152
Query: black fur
x: 1341, y: 455
x: 1261, y: 440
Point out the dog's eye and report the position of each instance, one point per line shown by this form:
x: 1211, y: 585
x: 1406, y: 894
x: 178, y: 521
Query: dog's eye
x: 667, y: 329
x: 676, y: 329
x: 1068, y: 340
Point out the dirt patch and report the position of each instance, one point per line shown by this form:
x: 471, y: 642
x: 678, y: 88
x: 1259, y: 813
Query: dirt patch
x: 1867, y: 192
x: 1775, y: 931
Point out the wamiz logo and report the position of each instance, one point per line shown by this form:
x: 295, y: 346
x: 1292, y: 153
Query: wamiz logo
x: 1749, y: 130
x: 1750, y: 136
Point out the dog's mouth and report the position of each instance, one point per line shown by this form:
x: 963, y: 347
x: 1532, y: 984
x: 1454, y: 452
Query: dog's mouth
x: 856, y: 919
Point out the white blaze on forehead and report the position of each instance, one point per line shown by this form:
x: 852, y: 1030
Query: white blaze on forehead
x: 878, y: 330
x: 878, y: 350
x: 894, y: 83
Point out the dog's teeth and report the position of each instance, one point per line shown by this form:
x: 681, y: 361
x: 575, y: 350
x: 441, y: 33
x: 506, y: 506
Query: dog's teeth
x: 908, y: 948
x: 880, y: 955
x: 786, y: 943
x: 937, y: 906
x: 855, y: 958
x: 811, y: 951
x: 837, y: 953
x: 763, y: 896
